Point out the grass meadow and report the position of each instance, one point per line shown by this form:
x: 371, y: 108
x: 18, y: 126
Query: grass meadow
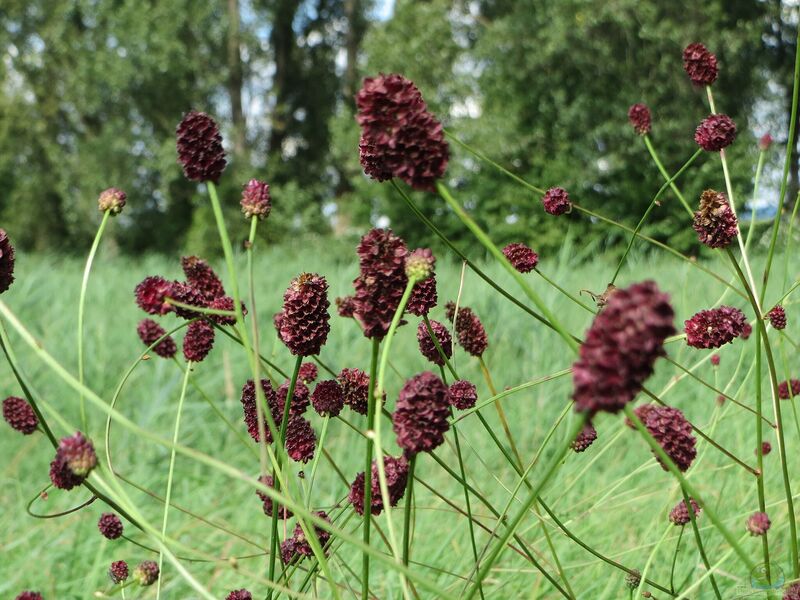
x: 615, y: 496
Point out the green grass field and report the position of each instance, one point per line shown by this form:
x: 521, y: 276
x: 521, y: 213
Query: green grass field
x: 614, y: 497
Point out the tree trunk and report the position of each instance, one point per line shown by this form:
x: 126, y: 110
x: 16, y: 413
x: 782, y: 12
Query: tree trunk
x: 235, y: 81
x: 283, y: 42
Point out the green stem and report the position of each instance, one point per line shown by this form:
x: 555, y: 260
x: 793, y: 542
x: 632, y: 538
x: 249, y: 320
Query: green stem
x: 675, y: 560
x: 430, y: 225
x: 669, y: 183
x: 218, y: 465
x: 407, y: 510
x: 699, y: 542
x: 375, y: 424
x: 495, y: 251
x: 667, y: 462
x: 373, y: 373
x: 759, y: 167
x: 790, y: 150
x: 671, y: 180
x: 787, y: 486
x: 171, y: 472
x: 81, y: 309
x: 279, y: 442
x: 646, y: 570
x: 526, y: 505
x: 467, y: 503
x: 760, y: 456
x: 317, y: 455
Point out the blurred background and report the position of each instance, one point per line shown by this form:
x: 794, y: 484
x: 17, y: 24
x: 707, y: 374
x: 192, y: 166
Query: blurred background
x: 91, y: 92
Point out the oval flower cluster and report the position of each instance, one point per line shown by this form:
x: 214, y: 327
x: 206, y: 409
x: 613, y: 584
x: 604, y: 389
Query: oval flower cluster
x: 715, y: 223
x: 202, y: 288
x: 620, y: 348
x: 715, y: 327
x: 396, y: 470
x: 399, y: 135
x: 672, y: 431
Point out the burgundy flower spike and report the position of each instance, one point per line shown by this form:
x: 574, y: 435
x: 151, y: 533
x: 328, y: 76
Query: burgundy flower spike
x: 399, y: 136
x: 620, y: 348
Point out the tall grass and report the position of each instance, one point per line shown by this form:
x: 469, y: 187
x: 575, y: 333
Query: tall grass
x: 615, y: 496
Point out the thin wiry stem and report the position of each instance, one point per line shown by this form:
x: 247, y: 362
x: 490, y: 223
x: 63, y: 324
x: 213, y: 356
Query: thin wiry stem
x: 81, y: 310
x: 373, y: 374
x: 699, y: 541
x: 171, y: 473
x: 790, y: 150
x: 219, y: 465
x: 689, y: 488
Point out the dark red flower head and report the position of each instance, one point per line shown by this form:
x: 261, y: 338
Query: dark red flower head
x: 61, y: 476
x: 198, y: 341
x: 470, y: 334
x: 110, y: 526
x: 421, y: 413
x: 186, y: 293
x: 112, y: 200
x: 777, y: 317
x: 224, y: 303
x: 715, y: 327
x: 202, y: 277
x: 715, y: 132
x: 746, y: 331
x: 423, y: 297
x: 700, y: 65
x: 715, y: 223
x: 620, y: 348
x: 149, y: 331
x: 328, y: 398
x: 303, y: 322
x: 28, y: 595
x: 462, y: 394
x: 118, y: 572
x: 639, y: 116
x: 792, y: 592
x: 308, y: 372
x: 300, y: 439
x: 584, y: 439
x: 765, y: 142
x: 672, y: 431
x: 242, y: 594
x: 288, y: 551
x: 355, y: 388
x: 783, y: 389
x: 715, y: 360
x: 556, y: 201
x: 633, y: 578
x: 78, y: 454
x: 396, y: 470
x: 20, y: 415
x: 522, y: 258
x: 151, y: 295
x: 200, y: 149
x: 283, y: 512
x: 300, y: 397
x: 758, y: 523
x: 399, y: 136
x: 766, y: 448
x: 256, y: 201
x: 381, y: 282
x: 6, y: 262
x: 420, y: 264
x: 346, y: 306
x: 679, y: 515
x: 301, y: 545
x: 250, y: 411
x: 427, y: 347
x: 146, y: 573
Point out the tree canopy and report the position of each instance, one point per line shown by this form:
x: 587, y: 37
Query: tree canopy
x: 92, y: 91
